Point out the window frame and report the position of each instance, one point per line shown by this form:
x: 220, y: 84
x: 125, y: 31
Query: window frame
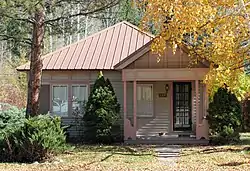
x: 138, y: 113
x: 71, y: 96
x: 69, y: 88
x: 51, y: 100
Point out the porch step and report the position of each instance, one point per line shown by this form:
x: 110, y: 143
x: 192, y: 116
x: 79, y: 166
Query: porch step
x: 156, y: 135
x: 155, y: 126
x: 169, y: 141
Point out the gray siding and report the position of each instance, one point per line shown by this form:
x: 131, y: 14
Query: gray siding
x: 75, y: 126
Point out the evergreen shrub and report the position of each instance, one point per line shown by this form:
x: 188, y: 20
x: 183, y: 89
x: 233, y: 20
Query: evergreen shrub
x: 225, y: 116
x: 102, y: 113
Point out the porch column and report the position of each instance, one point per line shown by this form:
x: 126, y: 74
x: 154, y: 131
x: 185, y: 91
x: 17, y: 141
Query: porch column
x: 197, y: 102
x: 198, y: 131
x: 205, y: 96
x: 124, y: 107
x: 135, y: 106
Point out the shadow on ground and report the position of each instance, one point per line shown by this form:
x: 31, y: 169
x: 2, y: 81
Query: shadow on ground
x: 232, y: 164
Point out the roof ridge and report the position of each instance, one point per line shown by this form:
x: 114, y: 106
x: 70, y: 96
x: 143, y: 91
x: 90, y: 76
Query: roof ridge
x: 138, y: 29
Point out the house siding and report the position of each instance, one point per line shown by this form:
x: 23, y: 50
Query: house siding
x: 179, y: 59
x: 75, y: 126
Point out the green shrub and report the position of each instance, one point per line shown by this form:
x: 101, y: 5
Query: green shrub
x: 225, y: 116
x: 101, y: 113
x: 36, y: 140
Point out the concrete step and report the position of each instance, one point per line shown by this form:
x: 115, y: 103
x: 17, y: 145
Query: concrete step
x: 158, y: 124
x: 169, y: 141
x: 155, y: 127
x: 151, y: 131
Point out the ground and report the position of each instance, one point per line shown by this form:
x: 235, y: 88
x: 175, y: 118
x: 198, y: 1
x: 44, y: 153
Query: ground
x: 136, y: 158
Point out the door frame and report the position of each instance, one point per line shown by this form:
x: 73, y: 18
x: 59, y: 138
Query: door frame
x: 173, y: 99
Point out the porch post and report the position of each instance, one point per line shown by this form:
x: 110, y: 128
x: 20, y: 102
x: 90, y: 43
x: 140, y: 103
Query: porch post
x: 198, y: 129
x: 197, y: 102
x: 206, y: 100
x: 124, y: 107
x: 135, y: 107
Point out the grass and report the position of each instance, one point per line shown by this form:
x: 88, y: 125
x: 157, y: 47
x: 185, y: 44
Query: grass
x: 216, y: 158
x: 96, y: 158
x: 140, y: 158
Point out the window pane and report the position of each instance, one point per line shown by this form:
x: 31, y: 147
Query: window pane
x: 139, y: 93
x: 80, y: 95
x: 60, y: 100
x: 144, y: 100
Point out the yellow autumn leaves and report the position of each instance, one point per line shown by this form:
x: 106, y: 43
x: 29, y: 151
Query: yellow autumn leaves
x: 215, y: 31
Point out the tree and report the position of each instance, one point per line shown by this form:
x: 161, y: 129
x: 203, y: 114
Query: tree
x: 225, y: 116
x: 36, y: 17
x: 214, y: 31
x: 130, y: 12
x: 101, y: 113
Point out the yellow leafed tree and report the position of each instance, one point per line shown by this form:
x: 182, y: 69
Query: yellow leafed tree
x: 215, y: 31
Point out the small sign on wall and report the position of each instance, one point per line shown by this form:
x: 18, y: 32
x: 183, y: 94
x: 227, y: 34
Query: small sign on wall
x: 163, y: 95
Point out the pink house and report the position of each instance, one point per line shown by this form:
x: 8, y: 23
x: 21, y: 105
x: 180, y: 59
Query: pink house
x: 162, y: 101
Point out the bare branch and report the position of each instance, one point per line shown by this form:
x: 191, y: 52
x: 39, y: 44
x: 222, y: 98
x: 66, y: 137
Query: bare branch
x: 8, y: 37
x: 109, y: 5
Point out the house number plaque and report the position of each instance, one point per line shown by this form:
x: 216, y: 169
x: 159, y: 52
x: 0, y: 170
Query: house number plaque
x: 162, y: 94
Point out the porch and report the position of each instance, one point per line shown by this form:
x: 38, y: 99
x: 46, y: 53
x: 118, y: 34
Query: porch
x: 165, y: 106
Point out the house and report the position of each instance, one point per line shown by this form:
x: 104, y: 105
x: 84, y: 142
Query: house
x: 162, y: 101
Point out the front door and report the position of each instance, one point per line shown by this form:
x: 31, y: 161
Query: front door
x: 182, y: 106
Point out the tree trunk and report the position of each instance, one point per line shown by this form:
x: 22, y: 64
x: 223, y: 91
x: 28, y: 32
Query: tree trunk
x: 35, y: 73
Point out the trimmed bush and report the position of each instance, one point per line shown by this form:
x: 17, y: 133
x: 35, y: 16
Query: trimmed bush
x: 36, y: 138
x: 225, y: 116
x: 101, y: 113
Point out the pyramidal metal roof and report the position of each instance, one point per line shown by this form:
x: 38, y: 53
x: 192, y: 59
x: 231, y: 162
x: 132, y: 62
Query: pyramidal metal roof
x: 102, y: 50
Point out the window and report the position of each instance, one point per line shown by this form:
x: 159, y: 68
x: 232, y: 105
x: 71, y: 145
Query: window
x: 79, y: 98
x: 60, y: 100
x: 145, y: 100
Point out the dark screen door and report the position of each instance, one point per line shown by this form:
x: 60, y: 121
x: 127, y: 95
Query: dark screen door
x: 182, y: 106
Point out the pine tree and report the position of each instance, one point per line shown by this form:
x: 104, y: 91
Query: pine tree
x: 35, y: 17
x: 101, y: 113
x: 225, y: 116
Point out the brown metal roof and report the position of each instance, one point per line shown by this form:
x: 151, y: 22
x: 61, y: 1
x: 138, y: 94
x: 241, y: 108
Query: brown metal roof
x: 102, y: 50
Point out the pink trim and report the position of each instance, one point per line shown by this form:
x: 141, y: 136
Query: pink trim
x: 202, y: 128
x: 166, y: 74
x: 125, y: 107
x: 129, y: 132
x: 193, y: 114
x: 197, y: 101
x: 206, y: 101
x: 135, y: 106
x: 171, y: 108
x: 197, y: 108
x: 50, y: 97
